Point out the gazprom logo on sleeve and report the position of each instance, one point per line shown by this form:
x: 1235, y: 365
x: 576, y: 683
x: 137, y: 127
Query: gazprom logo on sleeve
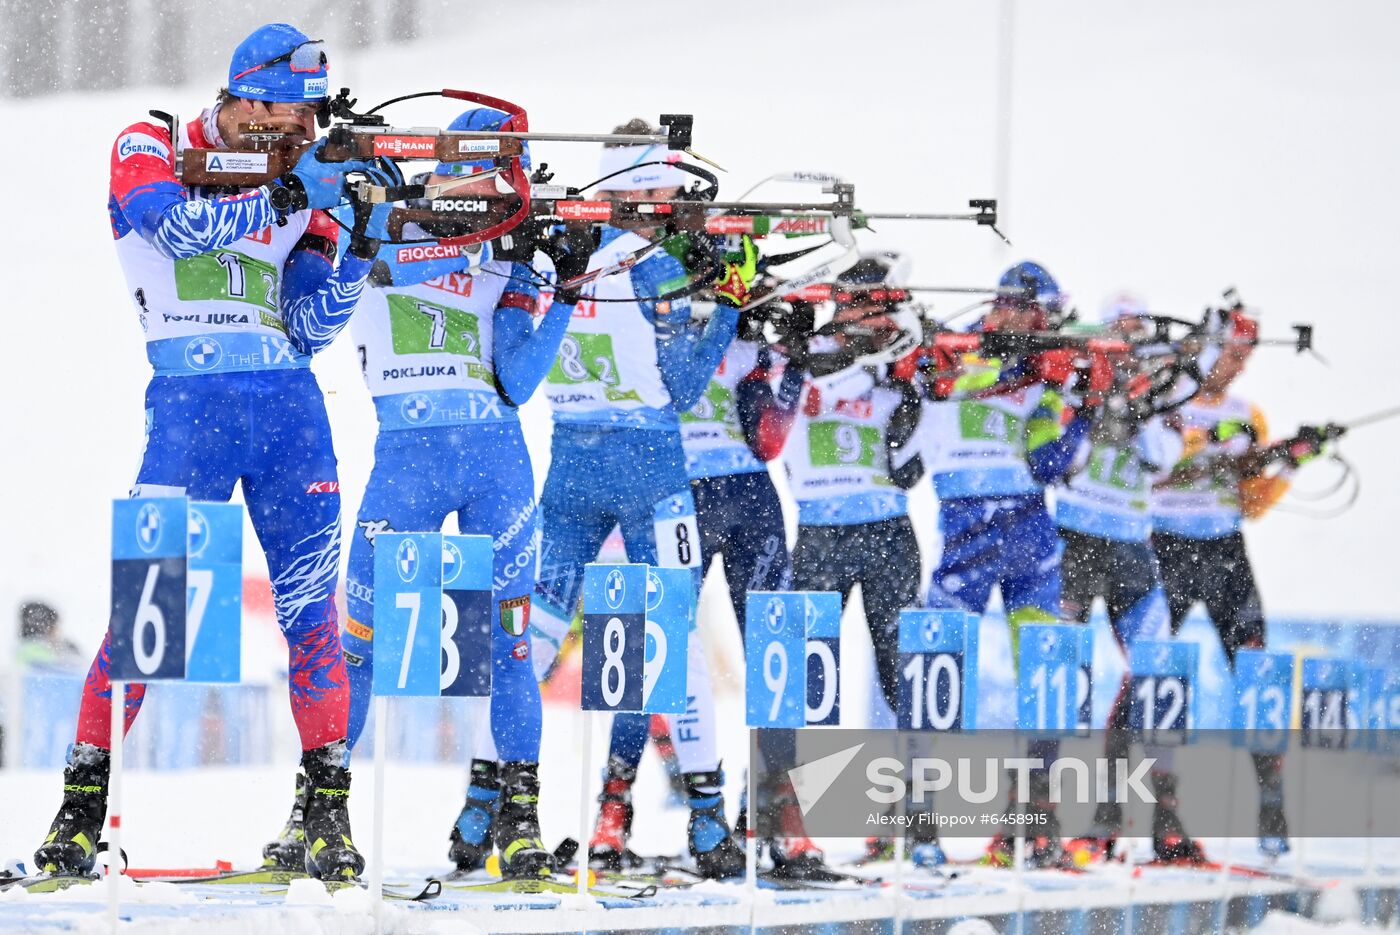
x: 141, y: 144
x: 315, y: 87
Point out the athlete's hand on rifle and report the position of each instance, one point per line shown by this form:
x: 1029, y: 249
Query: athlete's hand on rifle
x: 372, y: 219
x: 1079, y: 394
x: 737, y: 274
x: 1309, y: 442
x: 314, y: 183
x: 569, y: 246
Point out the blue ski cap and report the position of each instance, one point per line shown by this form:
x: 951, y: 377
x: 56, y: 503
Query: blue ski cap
x: 481, y: 118
x: 279, y: 63
x: 1031, y: 278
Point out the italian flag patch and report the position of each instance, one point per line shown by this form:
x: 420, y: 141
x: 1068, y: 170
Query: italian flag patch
x: 515, y: 615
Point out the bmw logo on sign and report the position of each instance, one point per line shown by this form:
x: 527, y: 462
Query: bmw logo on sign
x: 1047, y: 641
x: 199, y: 532
x: 148, y: 527
x: 451, y: 562
x: 407, y: 560
x: 654, y: 591
x: 417, y: 408
x: 203, y: 353
x: 931, y: 628
x: 614, y: 588
x: 776, y: 613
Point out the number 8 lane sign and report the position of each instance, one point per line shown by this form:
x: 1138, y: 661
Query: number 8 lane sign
x: 614, y: 635
x: 150, y: 541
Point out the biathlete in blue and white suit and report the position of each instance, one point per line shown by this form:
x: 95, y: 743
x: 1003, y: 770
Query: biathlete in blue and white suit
x: 449, y: 352
x: 626, y: 369
x: 235, y: 292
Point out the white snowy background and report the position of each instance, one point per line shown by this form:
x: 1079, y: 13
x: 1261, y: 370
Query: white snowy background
x: 1170, y: 149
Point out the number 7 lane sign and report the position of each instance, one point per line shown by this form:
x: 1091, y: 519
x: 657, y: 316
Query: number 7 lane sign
x: 407, y: 613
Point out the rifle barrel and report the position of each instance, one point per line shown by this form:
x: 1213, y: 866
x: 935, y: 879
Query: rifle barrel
x: 1381, y: 416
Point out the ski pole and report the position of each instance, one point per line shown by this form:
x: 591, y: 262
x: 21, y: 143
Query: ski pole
x: 376, y: 867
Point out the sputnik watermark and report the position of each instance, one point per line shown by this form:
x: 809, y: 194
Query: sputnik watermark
x: 934, y: 774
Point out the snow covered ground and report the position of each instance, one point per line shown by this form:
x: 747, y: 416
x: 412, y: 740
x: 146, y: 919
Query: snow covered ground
x: 1173, y: 150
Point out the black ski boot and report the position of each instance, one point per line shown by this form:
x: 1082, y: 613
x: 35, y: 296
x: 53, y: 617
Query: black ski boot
x: 330, y: 854
x: 471, y: 835
x: 716, y: 855
x: 523, y: 854
x: 1170, y: 842
x: 71, y: 845
x: 795, y: 855
x: 288, y: 850
x: 607, y: 849
x: 1041, y: 828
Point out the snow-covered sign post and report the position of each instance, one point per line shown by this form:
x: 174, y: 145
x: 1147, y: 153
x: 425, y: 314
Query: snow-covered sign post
x: 177, y: 592
x: 432, y: 619
x: 636, y: 628
x: 792, y: 649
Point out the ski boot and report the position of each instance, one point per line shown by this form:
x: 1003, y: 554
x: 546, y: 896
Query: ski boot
x: 794, y: 854
x: 1273, y: 830
x: 330, y: 854
x: 926, y: 851
x: 877, y: 848
x: 716, y: 855
x: 1170, y: 842
x: 471, y: 837
x: 287, y: 851
x: 607, y: 849
x: 1041, y: 829
x: 523, y: 854
x: 1273, y: 824
x: 1102, y: 839
x: 71, y: 845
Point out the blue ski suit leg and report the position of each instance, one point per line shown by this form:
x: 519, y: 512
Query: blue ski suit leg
x: 419, y: 477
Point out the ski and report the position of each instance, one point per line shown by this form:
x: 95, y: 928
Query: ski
x: 557, y: 884
x: 44, y: 882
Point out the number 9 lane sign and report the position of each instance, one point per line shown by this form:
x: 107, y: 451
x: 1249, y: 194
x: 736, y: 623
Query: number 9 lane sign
x: 407, y: 613
x: 466, y: 617
x: 938, y: 670
x: 670, y: 616
x: 150, y: 541
x: 775, y: 647
x: 614, y: 636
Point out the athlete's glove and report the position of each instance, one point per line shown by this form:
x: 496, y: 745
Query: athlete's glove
x: 1079, y: 394
x: 1233, y: 437
x: 372, y: 218
x: 1309, y: 442
x: 737, y: 274
x: 570, y: 247
x: 313, y: 182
